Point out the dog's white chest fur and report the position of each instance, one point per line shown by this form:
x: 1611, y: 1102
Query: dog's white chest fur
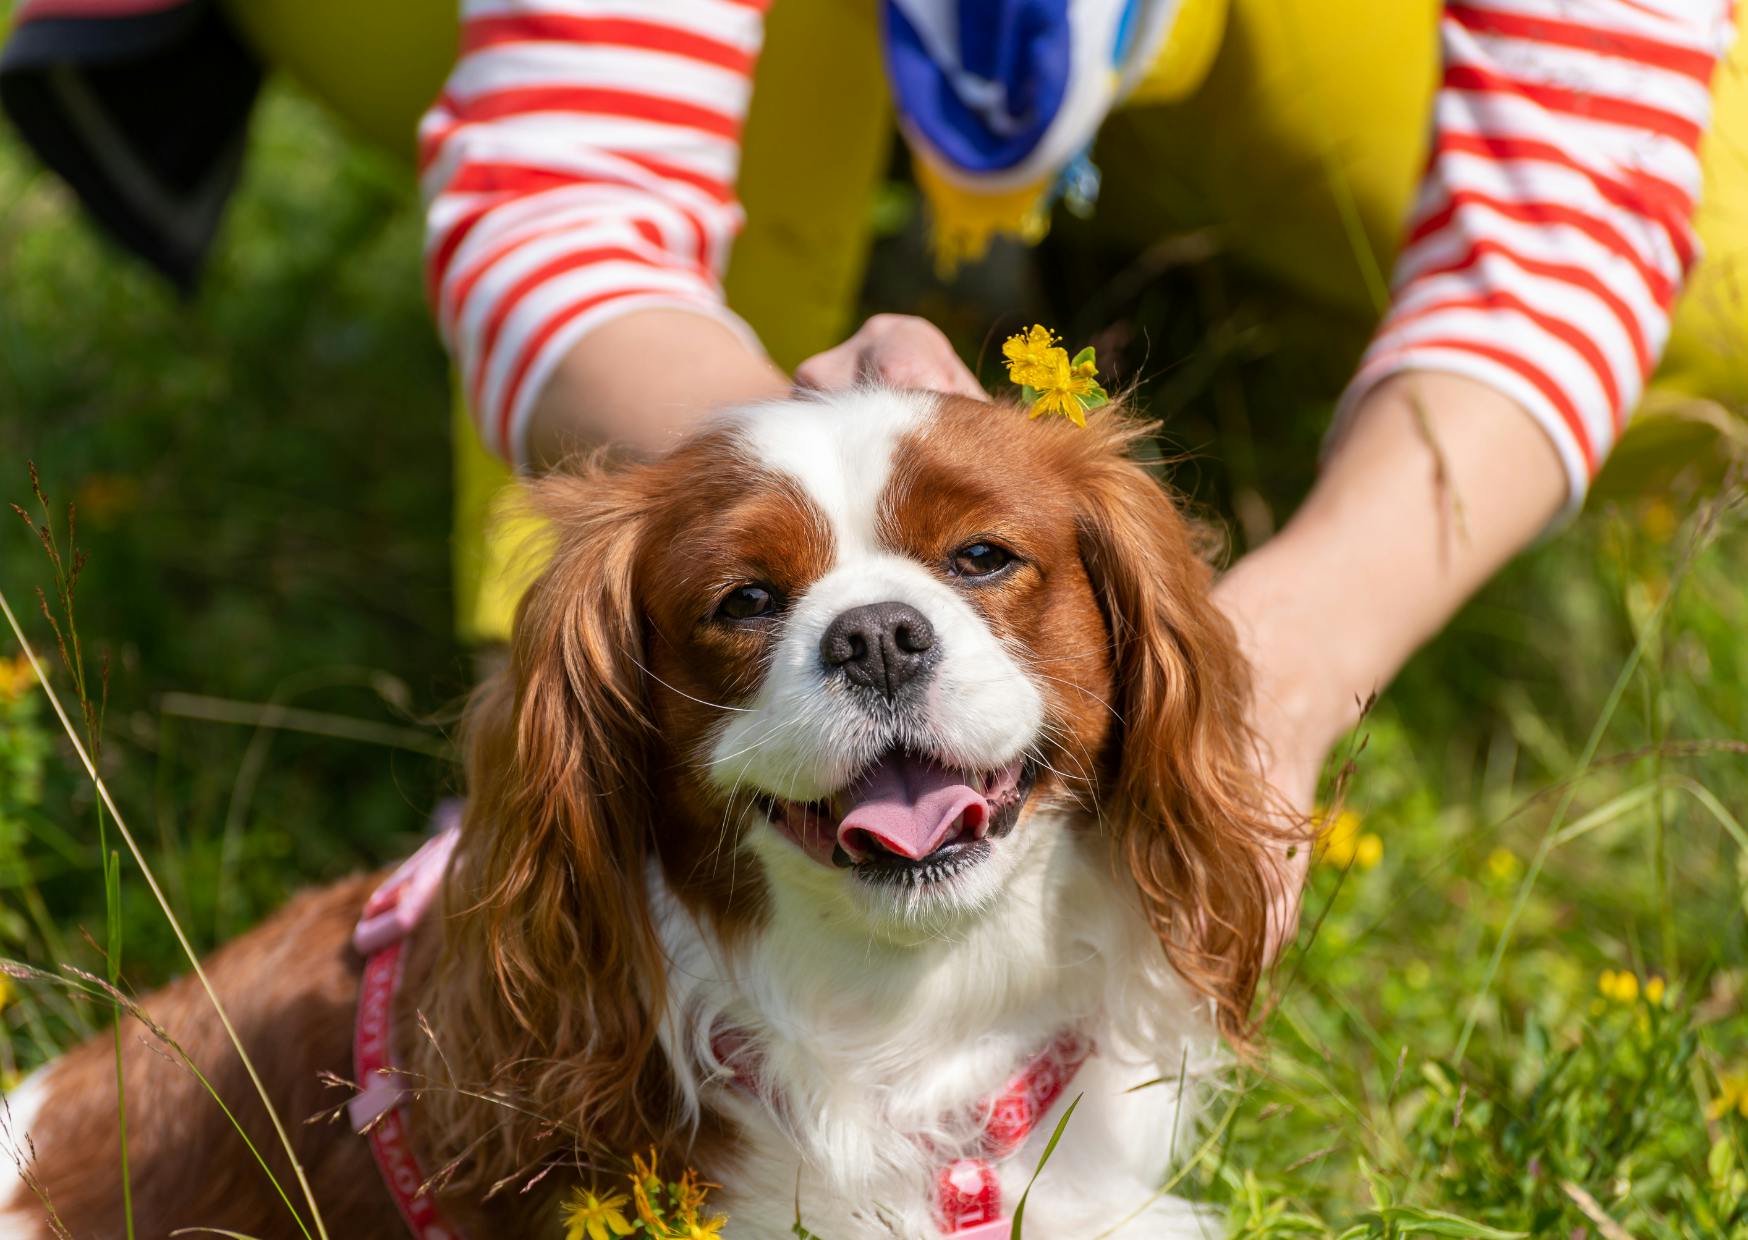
x: 869, y: 1049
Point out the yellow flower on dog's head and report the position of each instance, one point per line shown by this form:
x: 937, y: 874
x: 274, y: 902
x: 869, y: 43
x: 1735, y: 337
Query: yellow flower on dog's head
x: 588, y: 1217
x: 1032, y: 348
x: 1050, y: 379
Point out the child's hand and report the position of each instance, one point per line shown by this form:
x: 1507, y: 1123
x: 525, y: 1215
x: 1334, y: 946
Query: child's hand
x: 899, y: 349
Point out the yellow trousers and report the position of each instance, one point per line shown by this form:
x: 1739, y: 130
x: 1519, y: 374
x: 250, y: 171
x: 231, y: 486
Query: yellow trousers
x: 1297, y: 128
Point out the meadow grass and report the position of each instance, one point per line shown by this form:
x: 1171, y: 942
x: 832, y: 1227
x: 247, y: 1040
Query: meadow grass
x: 1517, y: 1003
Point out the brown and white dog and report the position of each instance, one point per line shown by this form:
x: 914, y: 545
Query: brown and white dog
x: 849, y: 754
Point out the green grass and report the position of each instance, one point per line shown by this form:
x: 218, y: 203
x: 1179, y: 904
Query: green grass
x: 262, y: 481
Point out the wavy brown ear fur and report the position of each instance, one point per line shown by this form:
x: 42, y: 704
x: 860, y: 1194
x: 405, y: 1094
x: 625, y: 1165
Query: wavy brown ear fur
x: 549, y: 960
x: 1189, y: 810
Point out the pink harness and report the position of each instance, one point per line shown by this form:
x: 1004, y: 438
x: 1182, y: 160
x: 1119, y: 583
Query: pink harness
x: 379, y: 1110
x: 967, y: 1190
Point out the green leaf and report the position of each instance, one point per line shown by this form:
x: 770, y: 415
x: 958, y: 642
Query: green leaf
x: 1086, y: 355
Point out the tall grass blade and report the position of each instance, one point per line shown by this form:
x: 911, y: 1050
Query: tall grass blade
x: 1049, y: 1149
x: 170, y: 917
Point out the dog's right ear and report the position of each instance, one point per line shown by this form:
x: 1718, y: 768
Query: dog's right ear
x: 549, y: 945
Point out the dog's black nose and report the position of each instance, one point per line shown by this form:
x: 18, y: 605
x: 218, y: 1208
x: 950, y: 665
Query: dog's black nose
x: 881, y: 646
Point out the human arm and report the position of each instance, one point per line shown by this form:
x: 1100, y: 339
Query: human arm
x: 579, y: 170
x: 1436, y: 482
x: 1551, y: 234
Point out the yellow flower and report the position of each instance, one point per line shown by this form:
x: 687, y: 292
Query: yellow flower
x: 1067, y: 391
x: 645, y: 1184
x: 16, y: 678
x: 7, y: 991
x: 1732, y: 1095
x: 701, y: 1229
x: 1029, y: 349
x: 1341, y: 843
x: 1655, y: 988
x: 1503, y: 865
x: 588, y: 1217
x: 1052, y: 381
x: 1618, y: 987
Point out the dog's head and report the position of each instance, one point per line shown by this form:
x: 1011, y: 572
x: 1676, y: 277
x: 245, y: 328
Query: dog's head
x: 840, y: 651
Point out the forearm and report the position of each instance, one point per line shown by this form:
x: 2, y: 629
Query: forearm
x: 1436, y: 482
x: 642, y: 381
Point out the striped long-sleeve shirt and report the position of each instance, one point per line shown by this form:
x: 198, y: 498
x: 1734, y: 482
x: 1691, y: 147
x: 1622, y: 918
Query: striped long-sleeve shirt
x: 581, y: 163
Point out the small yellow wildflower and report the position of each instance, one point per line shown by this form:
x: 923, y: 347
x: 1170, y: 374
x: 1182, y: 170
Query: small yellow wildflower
x: 1503, y: 865
x: 16, y: 678
x: 646, y: 1184
x: 588, y: 1217
x: 1342, y: 844
x: 1028, y: 355
x: 1655, y: 988
x: 1618, y: 987
x: 7, y: 991
x: 1052, y: 381
x: 1732, y: 1095
x: 700, y: 1228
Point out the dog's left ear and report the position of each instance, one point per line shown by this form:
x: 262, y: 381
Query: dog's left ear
x: 1189, y: 810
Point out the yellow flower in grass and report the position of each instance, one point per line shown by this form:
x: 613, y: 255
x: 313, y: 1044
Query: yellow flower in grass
x: 588, y: 1217
x: 16, y: 678
x: 7, y: 991
x: 1341, y: 843
x: 1732, y: 1095
x: 1620, y: 986
x: 1503, y: 865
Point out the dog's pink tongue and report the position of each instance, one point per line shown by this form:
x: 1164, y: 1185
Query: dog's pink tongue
x: 908, y: 806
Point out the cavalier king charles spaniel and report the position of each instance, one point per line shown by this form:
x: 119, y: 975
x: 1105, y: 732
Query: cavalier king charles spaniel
x: 869, y: 784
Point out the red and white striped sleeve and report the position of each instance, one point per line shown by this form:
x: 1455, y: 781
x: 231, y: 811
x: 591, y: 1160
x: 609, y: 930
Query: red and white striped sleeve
x: 580, y: 163
x: 1554, y: 224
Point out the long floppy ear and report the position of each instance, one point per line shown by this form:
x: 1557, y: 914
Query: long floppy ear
x: 550, y: 965
x: 1189, y: 811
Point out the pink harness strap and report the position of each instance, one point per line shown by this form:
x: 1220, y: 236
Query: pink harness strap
x: 379, y: 1111
x: 968, y: 1191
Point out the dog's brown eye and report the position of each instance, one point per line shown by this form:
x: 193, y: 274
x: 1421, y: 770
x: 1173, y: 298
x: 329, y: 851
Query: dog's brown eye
x: 980, y: 559
x: 747, y: 603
